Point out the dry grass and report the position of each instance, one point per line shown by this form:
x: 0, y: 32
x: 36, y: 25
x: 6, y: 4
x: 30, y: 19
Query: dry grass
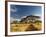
x: 23, y: 27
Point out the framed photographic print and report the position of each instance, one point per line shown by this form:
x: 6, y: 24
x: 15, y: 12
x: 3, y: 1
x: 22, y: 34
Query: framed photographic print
x: 24, y: 18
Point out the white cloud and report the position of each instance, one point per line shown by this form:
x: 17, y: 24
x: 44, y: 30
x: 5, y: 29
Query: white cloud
x: 18, y: 19
x: 14, y: 19
x: 23, y: 16
x: 14, y: 10
x: 37, y: 14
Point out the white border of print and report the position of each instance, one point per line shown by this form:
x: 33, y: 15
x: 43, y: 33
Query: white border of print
x: 30, y: 32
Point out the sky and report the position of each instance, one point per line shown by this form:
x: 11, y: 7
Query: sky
x: 20, y: 11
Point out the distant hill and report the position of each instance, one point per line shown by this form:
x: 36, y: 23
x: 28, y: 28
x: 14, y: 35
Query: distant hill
x: 30, y: 18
